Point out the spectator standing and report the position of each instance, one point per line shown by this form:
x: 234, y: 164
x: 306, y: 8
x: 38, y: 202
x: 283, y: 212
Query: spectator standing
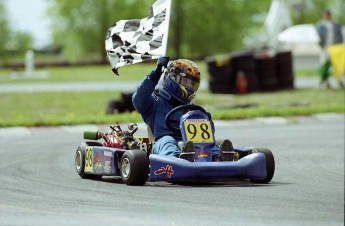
x: 330, y: 34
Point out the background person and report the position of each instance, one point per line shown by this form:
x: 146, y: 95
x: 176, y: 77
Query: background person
x: 330, y: 34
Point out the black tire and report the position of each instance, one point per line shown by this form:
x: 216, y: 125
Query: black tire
x: 134, y: 167
x: 270, y: 165
x: 222, y: 88
x: 80, y: 163
x: 266, y: 73
x: 126, y: 98
x: 111, y: 107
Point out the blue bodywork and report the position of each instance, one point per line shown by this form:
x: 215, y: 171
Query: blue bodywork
x: 203, y: 145
x: 196, y: 126
x: 104, y: 161
x: 163, y: 168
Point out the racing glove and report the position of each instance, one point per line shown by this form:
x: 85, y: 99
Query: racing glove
x: 156, y: 74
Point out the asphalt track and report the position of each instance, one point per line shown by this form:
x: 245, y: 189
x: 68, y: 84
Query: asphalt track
x: 39, y: 185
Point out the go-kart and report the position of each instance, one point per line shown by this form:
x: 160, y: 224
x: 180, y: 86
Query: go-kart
x: 129, y: 157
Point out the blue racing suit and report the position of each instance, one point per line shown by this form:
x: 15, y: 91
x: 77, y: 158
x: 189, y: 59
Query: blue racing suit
x: 153, y: 108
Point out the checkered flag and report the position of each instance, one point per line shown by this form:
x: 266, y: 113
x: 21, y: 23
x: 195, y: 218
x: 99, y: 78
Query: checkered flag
x: 137, y: 40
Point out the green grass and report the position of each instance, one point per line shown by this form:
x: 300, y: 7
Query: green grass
x: 82, y: 74
x: 57, y: 108
x: 307, y: 72
x: 103, y: 73
x: 282, y: 103
x: 70, y: 108
x: 134, y: 72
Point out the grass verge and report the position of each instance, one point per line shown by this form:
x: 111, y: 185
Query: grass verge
x: 71, y: 108
x: 99, y: 73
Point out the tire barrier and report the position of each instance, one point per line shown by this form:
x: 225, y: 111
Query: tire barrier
x: 244, y: 65
x: 284, y: 72
x: 266, y: 73
x: 220, y: 70
x: 245, y: 72
x: 122, y: 105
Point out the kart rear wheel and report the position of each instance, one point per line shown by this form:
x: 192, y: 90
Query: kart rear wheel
x: 80, y: 163
x: 270, y: 165
x: 134, y: 167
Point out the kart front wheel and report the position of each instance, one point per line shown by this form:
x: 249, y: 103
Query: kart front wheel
x: 80, y: 163
x: 270, y: 165
x: 134, y: 167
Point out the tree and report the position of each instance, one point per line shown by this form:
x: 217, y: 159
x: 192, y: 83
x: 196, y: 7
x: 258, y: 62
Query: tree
x: 80, y: 25
x: 4, y: 30
x: 206, y: 27
x: 303, y: 13
x: 197, y: 27
x: 11, y: 41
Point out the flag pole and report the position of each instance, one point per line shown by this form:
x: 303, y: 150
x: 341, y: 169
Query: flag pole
x: 166, y: 32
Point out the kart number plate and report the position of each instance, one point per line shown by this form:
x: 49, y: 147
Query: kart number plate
x: 88, y: 159
x: 198, y: 131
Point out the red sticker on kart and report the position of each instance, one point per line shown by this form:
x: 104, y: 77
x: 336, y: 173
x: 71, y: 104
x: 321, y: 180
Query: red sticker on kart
x: 202, y: 154
x: 198, y: 130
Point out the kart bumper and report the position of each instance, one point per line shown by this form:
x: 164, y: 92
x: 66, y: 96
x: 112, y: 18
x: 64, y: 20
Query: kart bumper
x: 104, y: 161
x: 165, y: 168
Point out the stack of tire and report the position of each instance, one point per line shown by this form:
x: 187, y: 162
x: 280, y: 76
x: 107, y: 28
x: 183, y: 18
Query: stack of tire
x: 124, y: 104
x: 220, y: 71
x: 266, y: 72
x: 224, y: 73
x: 284, y: 70
x: 244, y: 63
x: 261, y: 71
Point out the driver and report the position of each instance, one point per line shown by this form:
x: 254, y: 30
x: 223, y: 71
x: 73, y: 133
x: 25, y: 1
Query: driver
x: 180, y: 82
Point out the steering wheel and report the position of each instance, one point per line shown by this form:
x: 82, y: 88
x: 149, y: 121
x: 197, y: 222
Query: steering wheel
x: 189, y: 107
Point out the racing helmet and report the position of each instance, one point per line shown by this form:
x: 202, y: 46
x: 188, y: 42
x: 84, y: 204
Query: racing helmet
x: 181, y: 80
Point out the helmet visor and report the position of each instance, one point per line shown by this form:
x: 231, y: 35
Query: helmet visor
x: 186, y: 80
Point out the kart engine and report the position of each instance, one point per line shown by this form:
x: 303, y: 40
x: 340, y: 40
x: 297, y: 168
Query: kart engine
x: 117, y: 138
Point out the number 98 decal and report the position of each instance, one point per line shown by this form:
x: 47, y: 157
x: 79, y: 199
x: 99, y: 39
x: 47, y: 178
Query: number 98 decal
x: 199, y: 132
x: 88, y: 159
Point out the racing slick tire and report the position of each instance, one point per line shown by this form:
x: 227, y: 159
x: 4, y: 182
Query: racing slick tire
x: 134, y: 167
x: 80, y: 162
x: 270, y: 165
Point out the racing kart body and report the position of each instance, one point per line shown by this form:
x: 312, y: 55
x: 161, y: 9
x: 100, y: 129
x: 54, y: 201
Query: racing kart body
x: 124, y: 155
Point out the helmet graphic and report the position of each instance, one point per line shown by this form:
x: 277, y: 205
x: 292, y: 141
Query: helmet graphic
x: 182, y: 80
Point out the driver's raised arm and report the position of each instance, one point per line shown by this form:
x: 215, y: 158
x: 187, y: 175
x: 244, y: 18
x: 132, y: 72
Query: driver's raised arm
x: 143, y: 98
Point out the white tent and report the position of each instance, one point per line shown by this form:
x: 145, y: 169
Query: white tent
x: 301, y: 39
x: 278, y: 19
x: 278, y: 34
